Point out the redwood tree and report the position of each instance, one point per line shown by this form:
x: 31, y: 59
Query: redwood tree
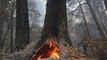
x: 3, y: 18
x: 22, y: 24
x: 55, y: 24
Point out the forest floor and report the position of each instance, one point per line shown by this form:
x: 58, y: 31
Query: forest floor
x: 71, y: 59
x: 68, y: 53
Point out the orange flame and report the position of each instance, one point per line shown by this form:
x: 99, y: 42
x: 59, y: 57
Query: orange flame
x: 55, y: 53
x: 49, y: 49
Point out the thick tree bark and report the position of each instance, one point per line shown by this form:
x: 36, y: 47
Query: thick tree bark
x: 50, y: 28
x: 55, y: 24
x: 62, y: 23
x: 22, y: 24
x: 3, y: 17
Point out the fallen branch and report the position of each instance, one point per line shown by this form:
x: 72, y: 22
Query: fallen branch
x: 25, y: 54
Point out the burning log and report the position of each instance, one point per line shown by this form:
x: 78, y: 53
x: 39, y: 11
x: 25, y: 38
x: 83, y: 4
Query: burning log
x: 49, y: 49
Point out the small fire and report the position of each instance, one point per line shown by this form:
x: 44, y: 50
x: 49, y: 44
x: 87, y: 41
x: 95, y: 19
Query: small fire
x: 55, y: 53
x: 49, y: 49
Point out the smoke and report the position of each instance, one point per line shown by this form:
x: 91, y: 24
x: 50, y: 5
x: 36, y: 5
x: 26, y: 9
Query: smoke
x: 41, y: 6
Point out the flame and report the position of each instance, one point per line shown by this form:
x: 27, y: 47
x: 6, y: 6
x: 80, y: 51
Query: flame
x: 49, y: 49
x: 55, y: 53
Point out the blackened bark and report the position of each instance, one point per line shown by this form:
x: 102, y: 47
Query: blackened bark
x: 50, y: 28
x: 22, y: 24
x: 1, y: 28
x: 50, y: 25
x: 55, y: 24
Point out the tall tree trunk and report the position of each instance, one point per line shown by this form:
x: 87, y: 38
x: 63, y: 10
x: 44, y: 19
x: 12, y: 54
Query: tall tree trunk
x: 12, y: 28
x: 11, y: 35
x: 22, y: 24
x: 62, y: 23
x: 1, y: 28
x: 3, y: 17
x: 88, y: 34
x: 55, y: 24
x: 50, y: 28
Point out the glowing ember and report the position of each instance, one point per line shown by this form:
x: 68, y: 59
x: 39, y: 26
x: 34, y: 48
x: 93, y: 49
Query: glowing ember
x: 55, y: 55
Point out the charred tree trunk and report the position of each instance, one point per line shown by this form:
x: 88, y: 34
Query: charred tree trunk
x: 50, y: 28
x: 55, y: 24
x: 22, y: 24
